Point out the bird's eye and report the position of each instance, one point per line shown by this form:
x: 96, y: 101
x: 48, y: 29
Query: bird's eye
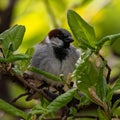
x: 60, y: 36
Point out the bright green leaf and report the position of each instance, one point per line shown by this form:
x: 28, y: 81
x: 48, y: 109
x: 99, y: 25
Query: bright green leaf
x: 11, y: 109
x: 81, y: 63
x: 83, y: 32
x: 12, y: 38
x: 87, y: 78
x: 85, y: 73
x: 110, y: 38
x: 61, y: 101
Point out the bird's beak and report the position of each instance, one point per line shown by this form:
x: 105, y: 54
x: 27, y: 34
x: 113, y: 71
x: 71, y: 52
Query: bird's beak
x: 69, y: 39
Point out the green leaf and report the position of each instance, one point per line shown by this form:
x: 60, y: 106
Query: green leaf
x: 101, y: 115
x: 111, y: 92
x: 81, y: 63
x: 110, y: 38
x: 84, y: 101
x: 23, y: 64
x: 101, y: 83
x: 61, y: 101
x: 85, y: 73
x: 30, y: 51
x: 115, y: 105
x: 38, y: 109
x: 83, y: 32
x: 11, y: 109
x: 17, y: 57
x: 117, y: 85
x: 11, y: 39
x: 2, y: 59
x: 44, y: 73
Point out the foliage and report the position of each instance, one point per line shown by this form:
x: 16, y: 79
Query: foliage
x: 90, y: 79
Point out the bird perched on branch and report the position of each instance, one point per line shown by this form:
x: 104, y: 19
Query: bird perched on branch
x: 55, y: 55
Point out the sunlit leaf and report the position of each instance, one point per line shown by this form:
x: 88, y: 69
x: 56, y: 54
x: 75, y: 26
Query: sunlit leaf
x: 11, y: 109
x: 110, y: 38
x: 83, y: 32
x: 12, y: 38
x: 85, y: 73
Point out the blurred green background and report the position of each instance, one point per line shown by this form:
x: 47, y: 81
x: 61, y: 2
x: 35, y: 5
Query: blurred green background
x: 40, y: 16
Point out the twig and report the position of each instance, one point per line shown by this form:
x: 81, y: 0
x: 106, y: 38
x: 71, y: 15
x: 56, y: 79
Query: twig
x: 21, y: 95
x: 20, y: 78
x: 108, y: 67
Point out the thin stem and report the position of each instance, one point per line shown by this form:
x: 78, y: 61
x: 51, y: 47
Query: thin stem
x: 18, y: 97
x: 108, y: 67
x: 21, y: 79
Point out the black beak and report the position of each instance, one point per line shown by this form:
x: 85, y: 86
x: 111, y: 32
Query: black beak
x: 69, y: 40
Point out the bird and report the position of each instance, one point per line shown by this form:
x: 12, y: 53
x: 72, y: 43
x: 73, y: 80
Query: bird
x: 55, y: 55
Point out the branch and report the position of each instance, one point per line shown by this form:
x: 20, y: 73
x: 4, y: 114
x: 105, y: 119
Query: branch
x: 15, y: 99
x: 21, y: 79
x: 108, y: 67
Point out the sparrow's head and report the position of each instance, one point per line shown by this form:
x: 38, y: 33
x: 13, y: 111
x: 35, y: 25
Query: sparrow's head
x: 60, y: 37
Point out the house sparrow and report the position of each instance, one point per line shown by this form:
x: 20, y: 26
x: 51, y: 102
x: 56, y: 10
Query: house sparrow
x: 55, y: 55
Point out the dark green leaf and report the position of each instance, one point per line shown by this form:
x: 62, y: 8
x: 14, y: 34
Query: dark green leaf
x: 115, y: 105
x: 83, y: 32
x: 117, y: 85
x: 110, y: 38
x: 61, y: 101
x: 12, y: 39
x: 2, y: 59
x: 101, y: 83
x: 46, y: 74
x: 84, y: 101
x: 101, y: 115
x: 11, y: 109
x: 111, y: 92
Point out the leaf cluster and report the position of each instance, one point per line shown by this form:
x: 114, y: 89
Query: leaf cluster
x: 90, y: 80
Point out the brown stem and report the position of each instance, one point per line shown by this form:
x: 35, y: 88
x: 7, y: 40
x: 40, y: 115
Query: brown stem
x: 21, y: 79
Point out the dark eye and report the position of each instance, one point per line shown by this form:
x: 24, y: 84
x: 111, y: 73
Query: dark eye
x: 61, y: 36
